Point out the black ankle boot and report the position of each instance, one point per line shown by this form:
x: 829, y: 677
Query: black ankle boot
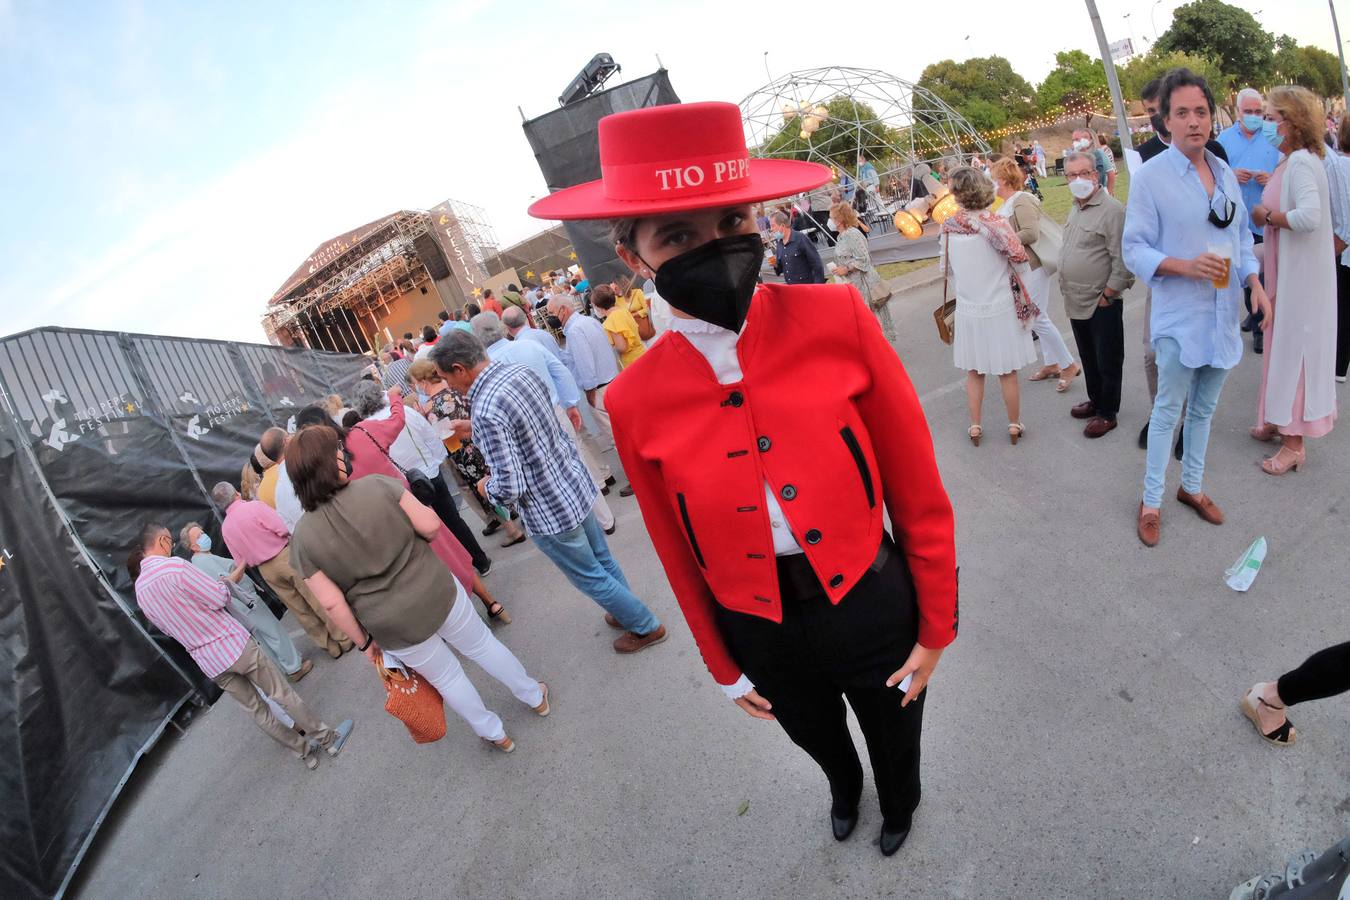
x: 843, y: 826
x: 891, y: 841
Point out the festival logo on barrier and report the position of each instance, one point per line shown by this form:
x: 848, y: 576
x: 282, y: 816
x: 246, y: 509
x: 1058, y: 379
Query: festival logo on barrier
x: 67, y: 425
x: 202, y: 422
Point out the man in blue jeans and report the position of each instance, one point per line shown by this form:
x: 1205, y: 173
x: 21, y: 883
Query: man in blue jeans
x: 1186, y: 231
x: 536, y: 468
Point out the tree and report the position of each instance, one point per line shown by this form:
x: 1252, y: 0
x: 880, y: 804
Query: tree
x: 850, y: 126
x: 1212, y: 28
x: 1076, y: 80
x: 1311, y: 67
x: 985, y: 90
x: 1140, y: 70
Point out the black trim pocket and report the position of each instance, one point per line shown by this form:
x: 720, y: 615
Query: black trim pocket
x: 851, y: 440
x: 689, y: 530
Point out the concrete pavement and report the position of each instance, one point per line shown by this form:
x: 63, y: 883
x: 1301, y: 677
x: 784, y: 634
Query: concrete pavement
x: 1083, y: 738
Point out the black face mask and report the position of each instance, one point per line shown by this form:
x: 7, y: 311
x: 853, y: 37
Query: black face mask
x: 714, y: 282
x: 553, y: 322
x: 1159, y: 125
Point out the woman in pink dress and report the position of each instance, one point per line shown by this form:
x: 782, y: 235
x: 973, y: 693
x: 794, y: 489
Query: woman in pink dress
x: 1298, y: 391
x: 369, y: 459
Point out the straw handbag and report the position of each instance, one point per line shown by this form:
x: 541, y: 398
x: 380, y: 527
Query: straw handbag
x: 945, y: 315
x: 414, y: 702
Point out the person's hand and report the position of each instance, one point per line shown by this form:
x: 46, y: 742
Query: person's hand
x: 462, y: 428
x: 920, y: 664
x: 395, y: 394
x: 1243, y: 175
x: 574, y: 417
x: 1261, y: 178
x: 1261, y: 304
x: 755, y: 705
x: 773, y: 260
x: 481, y: 486
x: 840, y: 270
x: 1104, y: 301
x: 372, y: 653
x: 1206, y: 267
x: 1260, y: 215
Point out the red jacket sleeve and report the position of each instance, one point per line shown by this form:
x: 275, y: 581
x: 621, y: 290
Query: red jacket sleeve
x: 920, y: 510
x: 691, y: 591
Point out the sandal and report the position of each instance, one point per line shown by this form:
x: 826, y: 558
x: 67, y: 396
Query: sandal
x: 506, y: 745
x: 975, y: 432
x: 1065, y: 379
x: 1283, y: 736
x: 1265, y: 433
x: 1045, y: 374
x: 1015, y: 431
x: 498, y: 612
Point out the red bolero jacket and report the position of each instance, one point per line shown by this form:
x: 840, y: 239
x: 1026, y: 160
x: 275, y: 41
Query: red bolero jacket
x: 826, y: 415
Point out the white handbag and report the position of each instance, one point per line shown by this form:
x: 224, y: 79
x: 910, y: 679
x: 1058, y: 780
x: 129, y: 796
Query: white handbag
x: 1048, y: 245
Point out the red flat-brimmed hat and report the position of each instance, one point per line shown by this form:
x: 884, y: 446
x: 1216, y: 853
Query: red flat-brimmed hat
x: 683, y: 156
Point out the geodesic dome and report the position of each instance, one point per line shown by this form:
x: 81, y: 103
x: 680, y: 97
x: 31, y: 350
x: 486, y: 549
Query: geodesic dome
x: 830, y: 115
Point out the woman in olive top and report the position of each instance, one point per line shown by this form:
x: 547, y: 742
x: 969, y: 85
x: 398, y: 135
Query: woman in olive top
x: 363, y: 547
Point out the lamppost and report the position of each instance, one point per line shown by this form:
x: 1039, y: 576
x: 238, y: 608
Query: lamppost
x: 1152, y: 9
x: 1340, y: 50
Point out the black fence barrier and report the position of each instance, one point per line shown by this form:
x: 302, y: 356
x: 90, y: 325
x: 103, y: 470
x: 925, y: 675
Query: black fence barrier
x: 99, y: 433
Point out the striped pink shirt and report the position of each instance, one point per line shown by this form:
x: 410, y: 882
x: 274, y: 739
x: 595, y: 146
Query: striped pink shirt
x: 189, y: 606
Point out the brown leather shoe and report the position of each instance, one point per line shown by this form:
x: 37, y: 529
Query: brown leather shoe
x: 632, y: 643
x: 1097, y: 426
x: 612, y: 622
x: 305, y: 668
x: 1085, y: 410
x: 1150, y: 527
x: 1204, y: 507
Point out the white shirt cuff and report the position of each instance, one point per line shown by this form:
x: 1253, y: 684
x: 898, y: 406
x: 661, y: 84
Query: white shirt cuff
x: 738, y: 690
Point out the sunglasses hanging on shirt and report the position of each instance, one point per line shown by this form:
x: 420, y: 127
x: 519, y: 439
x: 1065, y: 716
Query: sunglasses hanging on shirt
x: 1229, y: 211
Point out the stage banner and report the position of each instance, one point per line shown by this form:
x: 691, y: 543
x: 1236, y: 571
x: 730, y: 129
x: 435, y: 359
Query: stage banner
x: 565, y: 145
x: 84, y: 691
x: 469, y: 275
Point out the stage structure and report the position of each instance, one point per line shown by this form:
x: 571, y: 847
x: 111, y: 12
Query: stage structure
x: 360, y: 290
x: 546, y: 251
x: 833, y: 115
x: 564, y: 142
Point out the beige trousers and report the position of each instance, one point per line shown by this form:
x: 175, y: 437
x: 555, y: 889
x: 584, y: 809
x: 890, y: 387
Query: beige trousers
x: 598, y: 471
x: 295, y: 594
x: 253, y: 671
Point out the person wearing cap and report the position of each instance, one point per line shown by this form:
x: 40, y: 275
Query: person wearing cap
x: 763, y: 436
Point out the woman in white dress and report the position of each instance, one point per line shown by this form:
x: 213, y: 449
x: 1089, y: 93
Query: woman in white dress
x: 987, y: 265
x: 1023, y: 212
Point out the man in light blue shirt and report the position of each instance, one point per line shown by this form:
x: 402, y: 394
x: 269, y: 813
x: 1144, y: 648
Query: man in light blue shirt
x: 1253, y: 159
x: 1338, y: 181
x: 562, y: 390
x: 1186, y: 228
x: 519, y: 329
x: 596, y: 365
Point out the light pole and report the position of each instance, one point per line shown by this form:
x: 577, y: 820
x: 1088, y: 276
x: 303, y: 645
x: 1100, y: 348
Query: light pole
x: 1130, y: 27
x: 1117, y: 102
x: 1151, y: 10
x: 1340, y: 50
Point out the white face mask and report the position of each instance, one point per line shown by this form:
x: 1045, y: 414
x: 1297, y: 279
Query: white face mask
x: 1081, y: 144
x: 1081, y: 188
x: 832, y: 224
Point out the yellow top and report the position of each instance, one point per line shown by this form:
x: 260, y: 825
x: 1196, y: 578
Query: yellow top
x: 620, y: 321
x: 637, y: 302
x: 267, y: 487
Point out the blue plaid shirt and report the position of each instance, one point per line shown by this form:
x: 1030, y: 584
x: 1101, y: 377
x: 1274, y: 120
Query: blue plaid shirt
x: 535, y: 466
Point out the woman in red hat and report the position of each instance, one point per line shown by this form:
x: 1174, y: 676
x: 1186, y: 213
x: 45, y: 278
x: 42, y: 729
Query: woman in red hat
x: 763, y: 435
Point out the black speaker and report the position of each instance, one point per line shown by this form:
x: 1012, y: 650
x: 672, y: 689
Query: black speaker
x: 429, y: 252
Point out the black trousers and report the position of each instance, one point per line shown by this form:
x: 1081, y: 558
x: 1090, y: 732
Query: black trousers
x: 444, y: 505
x: 1101, y: 348
x: 1324, y: 674
x: 1342, y: 319
x: 822, y: 654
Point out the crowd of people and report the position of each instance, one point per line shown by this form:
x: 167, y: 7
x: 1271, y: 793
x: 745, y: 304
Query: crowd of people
x: 764, y: 428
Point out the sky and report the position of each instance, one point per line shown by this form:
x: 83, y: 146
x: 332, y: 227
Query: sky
x: 164, y: 167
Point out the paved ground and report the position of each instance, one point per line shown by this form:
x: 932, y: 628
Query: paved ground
x: 1082, y: 741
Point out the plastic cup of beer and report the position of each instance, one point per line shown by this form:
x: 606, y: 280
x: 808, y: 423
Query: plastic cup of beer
x: 1225, y: 252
